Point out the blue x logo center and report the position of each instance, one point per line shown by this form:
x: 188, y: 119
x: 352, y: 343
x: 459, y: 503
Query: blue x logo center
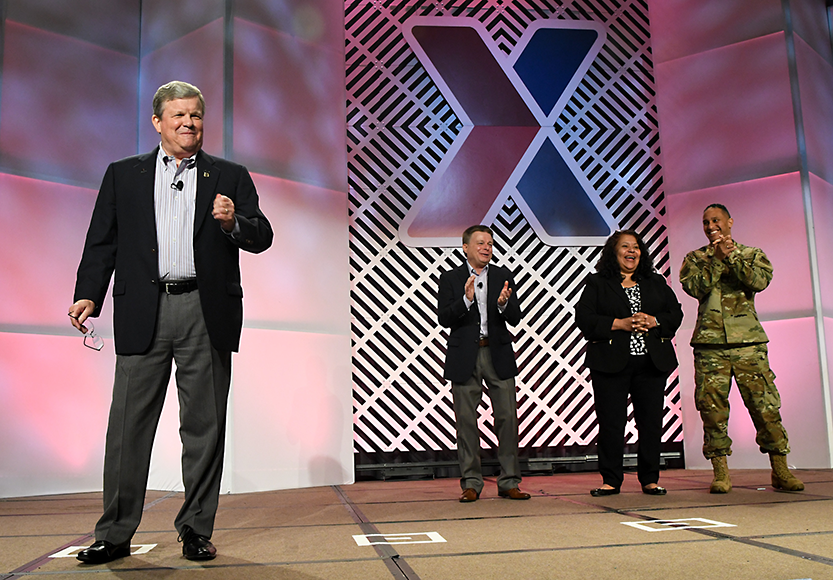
x: 507, y: 145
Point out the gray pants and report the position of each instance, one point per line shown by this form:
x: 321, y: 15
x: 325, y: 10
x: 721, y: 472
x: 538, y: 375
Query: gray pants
x: 203, y: 376
x: 467, y: 398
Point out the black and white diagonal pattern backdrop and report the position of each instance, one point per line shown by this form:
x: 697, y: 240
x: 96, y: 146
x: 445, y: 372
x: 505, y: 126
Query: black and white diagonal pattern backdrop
x: 399, y: 127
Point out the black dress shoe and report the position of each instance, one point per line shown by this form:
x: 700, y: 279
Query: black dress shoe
x: 195, y: 546
x: 654, y: 490
x: 602, y: 491
x: 103, y: 551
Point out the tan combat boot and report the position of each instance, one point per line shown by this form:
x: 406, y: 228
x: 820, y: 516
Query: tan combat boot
x: 781, y: 476
x: 721, y: 482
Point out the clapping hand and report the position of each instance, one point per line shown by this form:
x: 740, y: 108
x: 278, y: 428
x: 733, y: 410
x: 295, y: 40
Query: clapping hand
x: 723, y: 246
x: 470, y: 288
x: 504, y: 295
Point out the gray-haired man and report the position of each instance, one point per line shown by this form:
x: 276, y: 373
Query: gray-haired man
x: 169, y: 224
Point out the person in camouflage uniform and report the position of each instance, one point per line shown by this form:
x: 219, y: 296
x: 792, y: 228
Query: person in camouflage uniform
x: 728, y: 341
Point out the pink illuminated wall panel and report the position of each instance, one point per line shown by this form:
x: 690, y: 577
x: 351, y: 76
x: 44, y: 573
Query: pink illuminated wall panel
x: 822, y: 196
x: 828, y: 329
x: 815, y: 81
x: 165, y: 23
x: 39, y: 280
x: 113, y: 25
x: 684, y: 27
x: 54, y: 399
x: 289, y: 393
x: 793, y: 356
x: 811, y: 24
x: 727, y: 115
x: 68, y: 106
x: 291, y: 285
x: 315, y: 23
x: 286, y: 92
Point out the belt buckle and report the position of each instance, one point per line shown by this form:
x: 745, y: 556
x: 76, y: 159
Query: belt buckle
x: 175, y: 287
x: 171, y: 287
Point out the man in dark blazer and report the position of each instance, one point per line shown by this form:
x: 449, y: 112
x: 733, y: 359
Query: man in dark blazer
x: 476, y: 301
x: 170, y: 224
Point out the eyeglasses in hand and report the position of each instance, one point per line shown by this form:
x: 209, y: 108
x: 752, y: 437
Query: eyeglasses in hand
x: 91, y: 339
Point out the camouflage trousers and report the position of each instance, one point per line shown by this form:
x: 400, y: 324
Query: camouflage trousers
x: 749, y: 365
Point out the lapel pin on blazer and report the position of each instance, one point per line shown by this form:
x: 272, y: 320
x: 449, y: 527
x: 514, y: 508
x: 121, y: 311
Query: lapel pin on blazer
x: 206, y: 174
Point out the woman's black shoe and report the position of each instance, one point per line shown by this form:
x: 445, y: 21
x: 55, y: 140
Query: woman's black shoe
x: 602, y: 491
x: 654, y: 490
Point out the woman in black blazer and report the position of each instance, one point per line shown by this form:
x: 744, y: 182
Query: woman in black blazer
x: 629, y: 315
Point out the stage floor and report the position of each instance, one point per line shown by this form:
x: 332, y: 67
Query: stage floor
x: 417, y: 529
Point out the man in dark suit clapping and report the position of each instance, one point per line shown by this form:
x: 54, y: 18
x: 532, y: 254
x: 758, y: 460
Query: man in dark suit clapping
x: 476, y: 302
x: 170, y: 224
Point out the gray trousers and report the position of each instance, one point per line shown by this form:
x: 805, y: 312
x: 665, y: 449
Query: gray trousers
x: 203, y: 376
x: 467, y: 398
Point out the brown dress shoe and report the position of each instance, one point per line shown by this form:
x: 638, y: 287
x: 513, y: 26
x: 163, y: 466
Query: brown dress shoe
x: 469, y: 495
x: 514, y: 493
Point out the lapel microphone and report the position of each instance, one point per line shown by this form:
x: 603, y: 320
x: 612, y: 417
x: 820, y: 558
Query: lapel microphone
x: 480, y: 284
x: 183, y: 165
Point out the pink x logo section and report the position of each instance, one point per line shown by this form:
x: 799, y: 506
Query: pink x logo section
x: 507, y: 144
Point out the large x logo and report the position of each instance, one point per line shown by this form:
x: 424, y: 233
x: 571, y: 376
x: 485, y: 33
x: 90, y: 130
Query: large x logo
x: 507, y: 144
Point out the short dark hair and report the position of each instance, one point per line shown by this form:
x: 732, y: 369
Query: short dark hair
x: 172, y: 91
x: 608, y: 265
x: 478, y: 228
x: 719, y: 206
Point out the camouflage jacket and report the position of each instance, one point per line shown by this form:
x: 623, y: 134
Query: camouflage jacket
x: 726, y: 292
